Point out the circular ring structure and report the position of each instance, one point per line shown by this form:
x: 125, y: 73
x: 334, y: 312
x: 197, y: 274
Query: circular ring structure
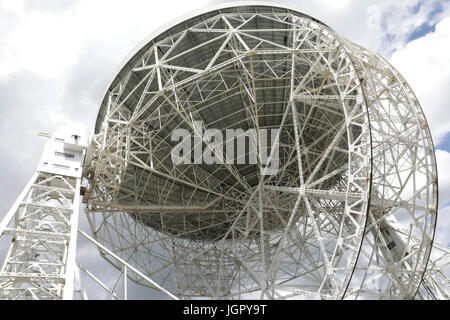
x: 403, y: 210
x: 307, y: 168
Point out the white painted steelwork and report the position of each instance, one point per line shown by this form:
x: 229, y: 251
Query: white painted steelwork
x: 43, y: 223
x: 351, y: 213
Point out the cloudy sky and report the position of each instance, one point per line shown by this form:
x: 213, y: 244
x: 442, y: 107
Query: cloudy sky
x: 57, y: 56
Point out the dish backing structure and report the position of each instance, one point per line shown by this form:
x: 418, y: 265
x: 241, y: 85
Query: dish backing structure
x: 349, y: 214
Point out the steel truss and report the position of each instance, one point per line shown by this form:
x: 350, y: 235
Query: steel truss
x: 436, y: 283
x: 400, y: 230
x: 250, y: 242
x: 40, y: 263
x: 352, y: 210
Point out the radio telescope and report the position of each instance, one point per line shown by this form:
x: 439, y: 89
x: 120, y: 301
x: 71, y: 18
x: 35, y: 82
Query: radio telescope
x: 350, y: 212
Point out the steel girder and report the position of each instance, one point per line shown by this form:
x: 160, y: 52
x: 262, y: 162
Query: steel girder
x: 40, y: 263
x: 352, y: 211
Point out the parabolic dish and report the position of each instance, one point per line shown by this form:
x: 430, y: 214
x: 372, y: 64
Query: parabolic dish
x: 354, y: 164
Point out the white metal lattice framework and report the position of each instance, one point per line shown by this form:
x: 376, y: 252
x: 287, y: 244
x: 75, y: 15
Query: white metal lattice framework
x: 350, y: 214
x: 400, y: 228
x: 436, y: 282
x: 42, y: 223
x: 352, y: 211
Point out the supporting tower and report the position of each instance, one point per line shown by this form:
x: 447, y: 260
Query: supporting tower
x: 43, y: 222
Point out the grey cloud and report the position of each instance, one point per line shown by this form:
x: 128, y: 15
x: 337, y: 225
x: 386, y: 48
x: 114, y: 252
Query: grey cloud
x: 24, y: 99
x: 86, y: 83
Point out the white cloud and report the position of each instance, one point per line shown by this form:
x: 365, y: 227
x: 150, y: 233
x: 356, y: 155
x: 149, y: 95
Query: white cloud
x: 55, y: 61
x: 425, y: 63
x: 443, y: 162
x: 380, y: 25
x: 14, y: 6
x: 48, y: 42
x: 442, y: 235
x: 40, y: 42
